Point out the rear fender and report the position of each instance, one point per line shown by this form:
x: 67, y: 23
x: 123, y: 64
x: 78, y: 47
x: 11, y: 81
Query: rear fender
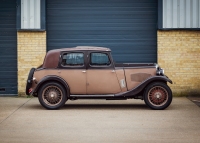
x: 53, y: 78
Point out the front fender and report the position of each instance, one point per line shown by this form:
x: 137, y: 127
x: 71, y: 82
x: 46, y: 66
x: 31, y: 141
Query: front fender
x: 52, y: 78
x: 141, y: 86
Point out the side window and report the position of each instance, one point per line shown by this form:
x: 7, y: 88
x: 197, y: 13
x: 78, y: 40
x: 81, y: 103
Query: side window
x: 99, y: 59
x: 73, y: 59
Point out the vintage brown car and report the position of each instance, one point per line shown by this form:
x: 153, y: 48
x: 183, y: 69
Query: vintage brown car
x: 89, y: 73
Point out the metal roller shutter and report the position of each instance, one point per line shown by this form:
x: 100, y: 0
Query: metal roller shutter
x: 128, y: 27
x: 8, y: 48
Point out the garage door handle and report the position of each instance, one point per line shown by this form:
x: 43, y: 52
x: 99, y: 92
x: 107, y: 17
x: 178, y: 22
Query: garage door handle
x: 84, y: 71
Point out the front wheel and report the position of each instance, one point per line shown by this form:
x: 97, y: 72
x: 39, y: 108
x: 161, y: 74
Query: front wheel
x: 52, y: 95
x: 158, y: 96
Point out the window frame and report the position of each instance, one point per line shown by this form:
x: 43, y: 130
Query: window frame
x: 75, y: 66
x: 42, y: 18
x: 100, y: 66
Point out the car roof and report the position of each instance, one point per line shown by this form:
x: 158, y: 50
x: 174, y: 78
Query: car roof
x: 82, y: 48
x: 52, y: 57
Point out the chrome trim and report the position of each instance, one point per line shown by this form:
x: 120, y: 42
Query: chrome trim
x: 160, y: 71
x: 102, y: 95
x: 156, y: 66
x: 34, y: 79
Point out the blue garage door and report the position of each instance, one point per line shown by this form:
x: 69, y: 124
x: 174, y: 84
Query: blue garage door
x: 128, y: 27
x: 8, y: 48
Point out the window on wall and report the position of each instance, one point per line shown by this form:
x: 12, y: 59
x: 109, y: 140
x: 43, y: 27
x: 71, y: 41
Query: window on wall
x: 99, y: 59
x: 73, y: 59
x: 31, y: 15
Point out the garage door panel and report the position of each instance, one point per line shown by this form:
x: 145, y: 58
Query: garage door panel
x: 106, y: 39
x: 99, y: 30
x: 10, y: 66
x: 12, y: 76
x: 8, y: 48
x: 7, y: 27
x: 100, y: 20
x: 7, y: 12
x: 104, y: 42
x: 9, y: 86
x: 128, y: 27
x: 143, y: 58
x: 79, y: 35
x: 5, y: 69
x: 8, y: 44
x: 100, y: 26
x: 6, y: 21
x: 103, y: 19
x: 103, y: 33
x: 114, y: 13
x: 8, y: 32
x: 99, y: 3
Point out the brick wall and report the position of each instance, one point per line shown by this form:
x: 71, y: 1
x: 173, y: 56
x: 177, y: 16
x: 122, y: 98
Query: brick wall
x: 31, y: 51
x: 179, y: 55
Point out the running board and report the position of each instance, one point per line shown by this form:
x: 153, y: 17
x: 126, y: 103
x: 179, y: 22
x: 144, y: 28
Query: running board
x: 93, y: 96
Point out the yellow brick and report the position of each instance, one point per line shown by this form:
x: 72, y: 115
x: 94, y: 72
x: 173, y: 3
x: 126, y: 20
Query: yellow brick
x: 180, y: 58
x: 28, y: 54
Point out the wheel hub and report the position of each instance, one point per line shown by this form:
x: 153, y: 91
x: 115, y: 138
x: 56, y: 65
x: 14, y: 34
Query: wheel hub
x: 52, y: 95
x: 157, y: 96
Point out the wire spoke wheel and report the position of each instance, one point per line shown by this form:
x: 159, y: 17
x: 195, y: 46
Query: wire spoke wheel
x: 52, y: 95
x: 158, y: 96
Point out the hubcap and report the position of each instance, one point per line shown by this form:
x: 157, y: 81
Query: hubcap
x: 157, y: 96
x: 52, y: 95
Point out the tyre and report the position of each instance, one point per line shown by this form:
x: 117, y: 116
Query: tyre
x: 29, y: 80
x: 158, y: 96
x: 52, y: 95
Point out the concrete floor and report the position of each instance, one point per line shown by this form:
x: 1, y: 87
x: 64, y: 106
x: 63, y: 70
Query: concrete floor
x: 24, y: 120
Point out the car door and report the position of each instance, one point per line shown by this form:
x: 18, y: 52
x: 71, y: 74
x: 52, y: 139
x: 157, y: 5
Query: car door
x: 101, y: 75
x: 73, y: 71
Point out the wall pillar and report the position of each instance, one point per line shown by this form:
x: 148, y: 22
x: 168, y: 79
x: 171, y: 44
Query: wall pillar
x: 31, y: 49
x: 179, y: 55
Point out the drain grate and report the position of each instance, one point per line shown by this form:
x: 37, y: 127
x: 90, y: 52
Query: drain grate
x: 195, y: 100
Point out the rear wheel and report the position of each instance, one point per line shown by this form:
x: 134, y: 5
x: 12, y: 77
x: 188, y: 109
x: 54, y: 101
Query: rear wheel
x: 52, y: 95
x: 158, y: 96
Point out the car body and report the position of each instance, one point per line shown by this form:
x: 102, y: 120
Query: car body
x: 90, y: 73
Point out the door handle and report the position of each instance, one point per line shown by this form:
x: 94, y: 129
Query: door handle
x: 83, y: 71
